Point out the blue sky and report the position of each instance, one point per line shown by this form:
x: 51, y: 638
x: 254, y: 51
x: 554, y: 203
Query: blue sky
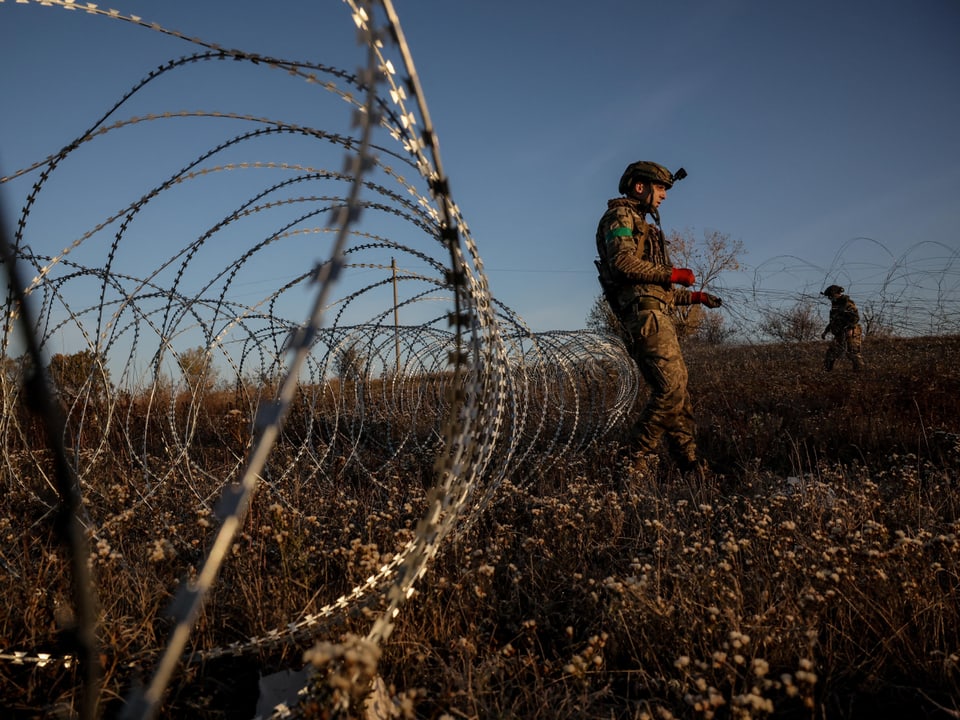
x: 822, y: 135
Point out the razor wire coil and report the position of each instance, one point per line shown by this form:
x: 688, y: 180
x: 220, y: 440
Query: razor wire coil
x: 487, y: 390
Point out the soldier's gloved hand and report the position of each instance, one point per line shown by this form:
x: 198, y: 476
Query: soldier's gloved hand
x: 682, y: 276
x: 711, y: 301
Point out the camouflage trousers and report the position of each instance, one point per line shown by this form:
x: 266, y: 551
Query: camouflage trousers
x: 846, y: 343
x: 668, y: 413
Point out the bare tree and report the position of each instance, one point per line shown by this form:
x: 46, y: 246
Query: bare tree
x: 197, y: 367
x: 875, y: 322
x: 796, y: 324
x: 715, y: 254
x: 13, y: 369
x: 351, y: 363
x: 712, y: 329
x: 602, y: 319
x: 78, y: 372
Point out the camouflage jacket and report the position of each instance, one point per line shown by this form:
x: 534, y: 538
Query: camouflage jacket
x: 843, y: 315
x: 634, y: 258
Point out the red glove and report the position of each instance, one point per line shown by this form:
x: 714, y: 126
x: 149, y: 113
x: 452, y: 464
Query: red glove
x: 682, y: 276
x: 711, y: 301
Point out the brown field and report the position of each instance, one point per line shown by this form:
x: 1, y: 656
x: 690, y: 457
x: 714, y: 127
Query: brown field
x: 815, y: 574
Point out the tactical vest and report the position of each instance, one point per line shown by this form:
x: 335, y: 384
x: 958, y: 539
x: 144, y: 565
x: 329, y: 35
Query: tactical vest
x: 843, y: 314
x: 620, y: 292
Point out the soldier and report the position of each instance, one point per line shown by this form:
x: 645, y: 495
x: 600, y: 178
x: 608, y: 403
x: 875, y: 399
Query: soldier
x: 637, y: 279
x: 845, y: 326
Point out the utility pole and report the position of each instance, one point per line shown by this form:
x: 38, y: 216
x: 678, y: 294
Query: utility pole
x: 396, y: 314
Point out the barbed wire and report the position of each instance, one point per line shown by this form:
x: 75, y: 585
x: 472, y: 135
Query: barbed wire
x: 377, y: 327
x: 166, y: 310
x: 913, y: 293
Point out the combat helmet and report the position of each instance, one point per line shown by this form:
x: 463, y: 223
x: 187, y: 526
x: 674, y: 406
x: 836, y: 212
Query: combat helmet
x: 646, y: 170
x: 833, y: 291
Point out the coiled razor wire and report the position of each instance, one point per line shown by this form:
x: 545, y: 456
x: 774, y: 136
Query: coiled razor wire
x: 233, y: 304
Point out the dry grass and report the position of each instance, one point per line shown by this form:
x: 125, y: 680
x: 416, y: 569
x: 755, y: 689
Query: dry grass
x: 815, y: 575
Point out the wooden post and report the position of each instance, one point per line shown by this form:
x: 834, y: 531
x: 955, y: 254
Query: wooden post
x: 396, y: 315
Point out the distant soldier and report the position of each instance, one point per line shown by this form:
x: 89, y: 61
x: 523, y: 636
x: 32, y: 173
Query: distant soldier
x: 845, y: 326
x: 637, y: 277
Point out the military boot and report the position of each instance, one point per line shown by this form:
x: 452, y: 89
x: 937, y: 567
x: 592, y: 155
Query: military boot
x: 692, y: 467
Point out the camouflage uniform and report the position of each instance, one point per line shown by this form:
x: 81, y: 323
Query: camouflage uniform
x: 845, y: 326
x: 633, y: 254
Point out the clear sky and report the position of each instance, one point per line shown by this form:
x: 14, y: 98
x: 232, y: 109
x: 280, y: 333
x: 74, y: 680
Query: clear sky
x: 821, y: 134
